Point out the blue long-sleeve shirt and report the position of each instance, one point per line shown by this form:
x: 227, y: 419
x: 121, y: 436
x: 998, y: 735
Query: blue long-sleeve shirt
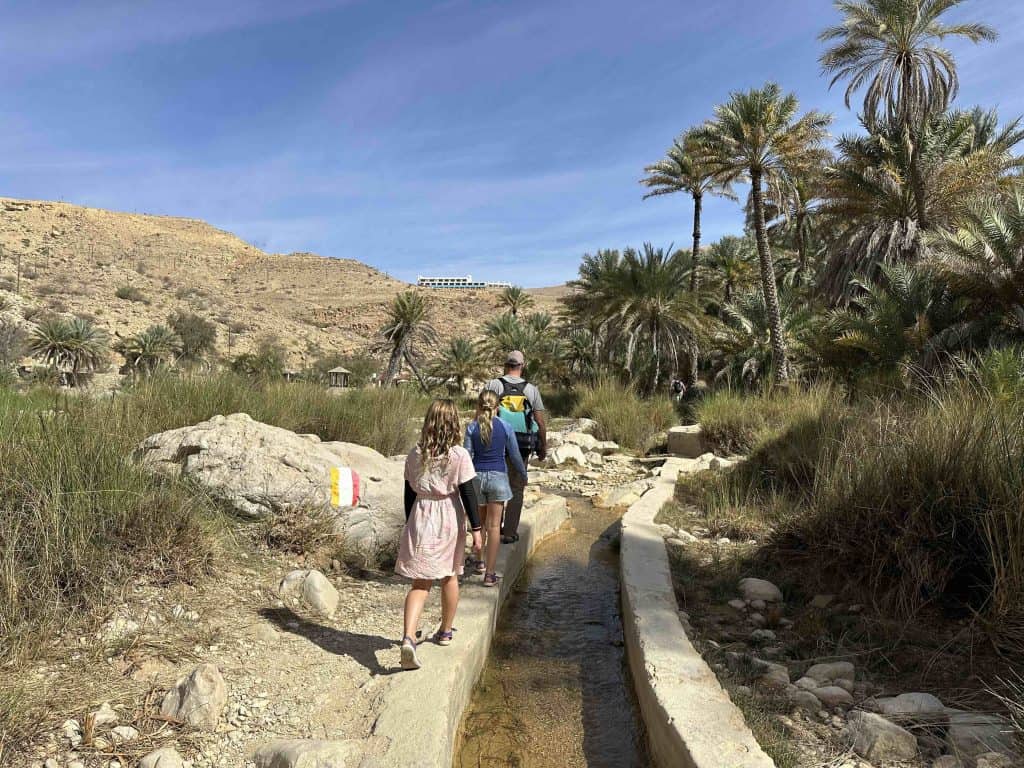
x: 491, y: 458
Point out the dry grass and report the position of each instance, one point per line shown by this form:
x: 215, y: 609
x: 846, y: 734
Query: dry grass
x: 623, y: 416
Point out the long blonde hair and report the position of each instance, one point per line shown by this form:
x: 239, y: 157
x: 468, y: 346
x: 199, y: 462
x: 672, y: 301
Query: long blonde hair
x: 441, y: 432
x: 486, y: 410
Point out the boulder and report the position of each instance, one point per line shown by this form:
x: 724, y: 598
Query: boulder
x: 607, y: 447
x: 565, y: 454
x: 804, y: 700
x: 308, y: 753
x: 873, y: 737
x: 623, y: 495
x: 686, y: 442
x: 166, y: 757
x: 829, y: 671
x: 759, y: 589
x: 261, y: 470
x: 972, y: 734
x: 585, y: 441
x: 834, y: 696
x: 198, y: 698
x: 806, y: 683
x: 909, y: 705
x: 555, y: 440
x: 720, y: 464
x: 595, y: 459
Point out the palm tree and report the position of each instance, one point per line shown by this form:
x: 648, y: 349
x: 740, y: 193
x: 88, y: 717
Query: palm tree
x: 684, y: 169
x: 745, y: 346
x: 406, y: 327
x: 515, y: 299
x: 460, y: 359
x: 983, y: 260
x: 892, y: 47
x: 732, y: 259
x: 757, y: 135
x: 156, y: 347
x: 76, y: 344
x: 870, y: 206
x: 536, y: 335
x: 640, y: 302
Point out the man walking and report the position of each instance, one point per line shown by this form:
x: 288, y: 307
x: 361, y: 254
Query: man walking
x: 520, y: 404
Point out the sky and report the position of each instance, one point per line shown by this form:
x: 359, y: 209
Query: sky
x: 498, y: 139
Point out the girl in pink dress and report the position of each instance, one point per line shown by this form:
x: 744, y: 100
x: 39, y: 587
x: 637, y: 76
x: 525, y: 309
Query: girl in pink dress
x: 439, y: 495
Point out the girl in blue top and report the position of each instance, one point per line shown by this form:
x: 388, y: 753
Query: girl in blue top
x: 491, y: 442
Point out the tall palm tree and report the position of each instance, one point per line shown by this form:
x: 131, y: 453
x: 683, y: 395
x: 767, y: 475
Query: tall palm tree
x: 156, y: 347
x: 515, y: 299
x: 892, y: 47
x: 757, y: 135
x: 459, y: 360
x: 74, y: 344
x: 732, y: 259
x: 406, y: 327
x: 685, y: 169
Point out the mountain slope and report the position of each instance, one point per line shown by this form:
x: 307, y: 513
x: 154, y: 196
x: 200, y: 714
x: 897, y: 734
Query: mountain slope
x: 75, y: 259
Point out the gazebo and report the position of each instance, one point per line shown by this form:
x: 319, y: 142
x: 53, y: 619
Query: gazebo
x: 338, y: 377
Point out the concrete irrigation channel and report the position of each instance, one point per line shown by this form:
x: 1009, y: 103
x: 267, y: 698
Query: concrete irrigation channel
x: 556, y: 689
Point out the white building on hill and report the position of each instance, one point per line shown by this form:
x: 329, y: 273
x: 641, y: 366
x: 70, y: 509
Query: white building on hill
x: 457, y: 282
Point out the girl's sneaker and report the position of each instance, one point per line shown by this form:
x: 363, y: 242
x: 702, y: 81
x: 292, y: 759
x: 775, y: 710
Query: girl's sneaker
x: 444, y: 638
x: 491, y: 580
x: 409, y: 658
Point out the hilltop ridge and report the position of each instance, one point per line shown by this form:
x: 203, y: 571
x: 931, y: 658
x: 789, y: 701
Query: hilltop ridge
x: 75, y: 259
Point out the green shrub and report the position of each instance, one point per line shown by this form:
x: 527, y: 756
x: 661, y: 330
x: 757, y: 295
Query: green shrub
x: 198, y: 335
x: 622, y: 415
x: 131, y: 293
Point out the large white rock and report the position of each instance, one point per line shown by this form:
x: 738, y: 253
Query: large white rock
x: 198, y: 698
x: 759, y: 589
x: 261, y: 469
x: 165, y: 757
x: 303, y: 753
x: 607, y: 447
x: 315, y: 588
x: 875, y: 738
x: 686, y: 442
x: 585, y: 441
x: 971, y: 734
x: 566, y: 454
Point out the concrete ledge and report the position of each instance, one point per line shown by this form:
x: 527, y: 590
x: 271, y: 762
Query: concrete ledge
x: 422, y: 712
x: 689, y: 717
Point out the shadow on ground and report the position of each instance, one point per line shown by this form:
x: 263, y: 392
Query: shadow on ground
x: 362, y: 648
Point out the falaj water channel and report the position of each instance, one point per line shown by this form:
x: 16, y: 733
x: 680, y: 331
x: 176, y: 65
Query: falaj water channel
x: 556, y: 689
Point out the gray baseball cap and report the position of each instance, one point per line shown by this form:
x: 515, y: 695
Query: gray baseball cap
x: 515, y: 358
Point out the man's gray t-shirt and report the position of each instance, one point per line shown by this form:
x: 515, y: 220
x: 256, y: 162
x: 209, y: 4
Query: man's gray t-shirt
x: 531, y: 392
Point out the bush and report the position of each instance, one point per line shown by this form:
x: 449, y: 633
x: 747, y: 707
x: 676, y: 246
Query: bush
x: 198, y: 335
x: 622, y: 415
x: 131, y: 293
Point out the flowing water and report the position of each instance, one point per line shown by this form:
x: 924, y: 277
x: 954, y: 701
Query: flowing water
x: 556, y: 691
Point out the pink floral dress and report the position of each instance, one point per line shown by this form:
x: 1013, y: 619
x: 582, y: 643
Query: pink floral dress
x: 432, y: 543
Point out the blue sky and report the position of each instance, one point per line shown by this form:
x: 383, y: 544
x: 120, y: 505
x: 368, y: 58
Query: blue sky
x: 502, y: 139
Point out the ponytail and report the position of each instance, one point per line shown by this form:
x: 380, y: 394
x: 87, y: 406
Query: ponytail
x: 486, y: 410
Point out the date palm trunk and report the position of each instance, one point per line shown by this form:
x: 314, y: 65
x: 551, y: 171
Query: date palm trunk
x: 698, y: 200
x: 801, y: 249
x: 768, y: 285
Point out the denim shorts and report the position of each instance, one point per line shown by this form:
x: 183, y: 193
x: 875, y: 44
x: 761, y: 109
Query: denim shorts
x: 494, y: 487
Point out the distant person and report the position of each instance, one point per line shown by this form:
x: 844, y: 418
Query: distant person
x: 520, y: 404
x: 439, y: 494
x: 678, y: 389
x: 491, y: 441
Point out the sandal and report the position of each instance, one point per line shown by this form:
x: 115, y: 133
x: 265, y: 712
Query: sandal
x: 409, y: 658
x: 480, y: 567
x: 491, y: 580
x: 443, y: 638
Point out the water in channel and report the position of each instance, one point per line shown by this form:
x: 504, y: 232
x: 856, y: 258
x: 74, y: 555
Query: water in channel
x: 556, y: 690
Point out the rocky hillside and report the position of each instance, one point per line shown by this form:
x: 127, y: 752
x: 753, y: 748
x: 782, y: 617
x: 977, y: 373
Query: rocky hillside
x: 78, y: 260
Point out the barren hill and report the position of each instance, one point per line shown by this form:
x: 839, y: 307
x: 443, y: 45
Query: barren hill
x: 77, y: 260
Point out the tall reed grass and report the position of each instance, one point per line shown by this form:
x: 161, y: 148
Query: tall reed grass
x: 622, y: 415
